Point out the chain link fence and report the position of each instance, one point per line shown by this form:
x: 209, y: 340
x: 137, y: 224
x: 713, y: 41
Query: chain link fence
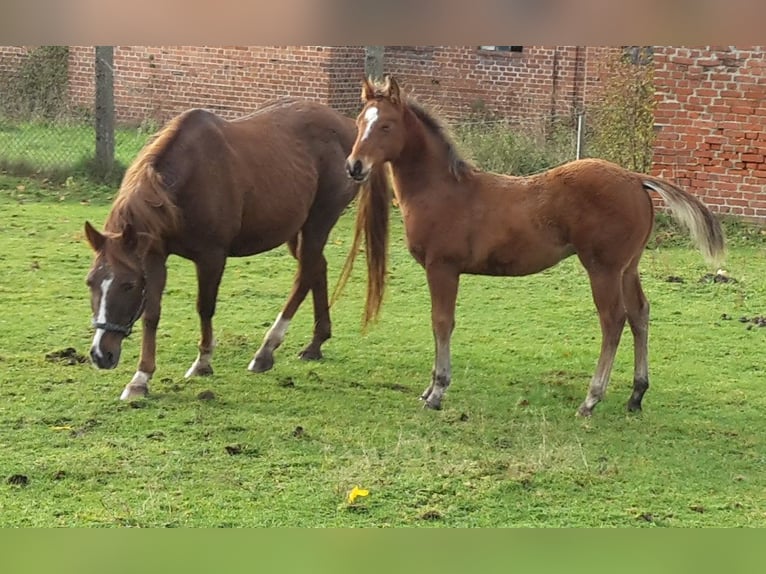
x: 41, y: 133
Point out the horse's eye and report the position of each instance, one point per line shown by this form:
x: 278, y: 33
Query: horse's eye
x: 385, y: 128
x: 128, y: 286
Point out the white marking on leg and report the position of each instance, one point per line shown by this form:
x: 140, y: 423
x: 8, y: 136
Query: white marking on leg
x: 276, y: 333
x: 442, y: 373
x: 370, y: 116
x: 139, y: 380
x: 101, y: 317
x: 201, y: 362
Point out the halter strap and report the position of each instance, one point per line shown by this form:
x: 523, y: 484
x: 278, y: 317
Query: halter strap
x: 124, y: 329
x: 107, y: 326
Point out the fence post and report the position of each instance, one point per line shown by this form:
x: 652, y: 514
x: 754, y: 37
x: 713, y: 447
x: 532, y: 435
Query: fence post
x: 104, y: 109
x: 373, y: 62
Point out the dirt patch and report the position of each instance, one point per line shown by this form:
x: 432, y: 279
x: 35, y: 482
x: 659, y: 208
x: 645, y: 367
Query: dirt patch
x: 206, y: 395
x: 287, y: 383
x: 719, y: 277
x: 68, y: 356
x: 18, y: 480
x: 396, y: 387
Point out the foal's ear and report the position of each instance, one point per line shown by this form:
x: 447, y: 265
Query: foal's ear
x: 368, y: 90
x: 95, y: 239
x: 392, y: 90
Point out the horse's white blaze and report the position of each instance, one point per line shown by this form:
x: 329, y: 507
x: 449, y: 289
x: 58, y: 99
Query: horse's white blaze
x: 101, y: 317
x: 370, y: 117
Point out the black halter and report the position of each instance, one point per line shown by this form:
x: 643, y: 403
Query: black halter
x: 124, y: 329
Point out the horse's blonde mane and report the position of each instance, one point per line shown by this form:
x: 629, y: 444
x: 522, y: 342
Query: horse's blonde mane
x: 143, y: 200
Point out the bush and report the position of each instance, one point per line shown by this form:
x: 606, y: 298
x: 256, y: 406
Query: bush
x: 621, y: 122
x: 496, y: 146
x: 37, y: 89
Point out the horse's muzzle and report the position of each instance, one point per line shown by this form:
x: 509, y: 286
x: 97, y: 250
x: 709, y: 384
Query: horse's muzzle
x: 108, y: 360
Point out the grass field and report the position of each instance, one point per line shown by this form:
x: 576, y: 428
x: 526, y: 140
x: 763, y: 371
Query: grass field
x: 59, y: 149
x: 284, y: 448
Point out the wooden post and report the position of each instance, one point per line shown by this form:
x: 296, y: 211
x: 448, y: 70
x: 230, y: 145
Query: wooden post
x: 373, y: 62
x: 104, y: 109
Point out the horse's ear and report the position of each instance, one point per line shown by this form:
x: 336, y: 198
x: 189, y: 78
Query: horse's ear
x: 95, y: 239
x: 129, y: 237
x: 392, y: 90
x: 368, y: 90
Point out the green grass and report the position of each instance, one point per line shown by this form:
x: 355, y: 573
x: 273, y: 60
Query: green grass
x: 506, y: 450
x: 58, y: 150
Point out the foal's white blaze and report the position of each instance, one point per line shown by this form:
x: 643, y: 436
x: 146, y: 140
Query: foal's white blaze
x: 370, y: 116
x: 101, y: 317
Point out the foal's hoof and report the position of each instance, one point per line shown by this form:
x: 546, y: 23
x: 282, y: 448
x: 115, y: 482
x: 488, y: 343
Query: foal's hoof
x: 433, y: 405
x: 133, y: 392
x: 309, y: 354
x: 634, y: 407
x: 261, y: 364
x: 584, y: 411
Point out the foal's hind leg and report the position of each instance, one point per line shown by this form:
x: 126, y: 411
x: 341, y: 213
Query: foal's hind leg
x: 209, y: 273
x: 637, y: 308
x: 607, y: 295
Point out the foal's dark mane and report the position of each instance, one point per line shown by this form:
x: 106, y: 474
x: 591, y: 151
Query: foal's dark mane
x: 459, y: 167
x: 143, y: 200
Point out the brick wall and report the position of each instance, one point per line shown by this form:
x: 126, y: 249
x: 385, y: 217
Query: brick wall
x: 527, y: 87
x: 159, y: 82
x: 711, y: 121
x: 156, y: 83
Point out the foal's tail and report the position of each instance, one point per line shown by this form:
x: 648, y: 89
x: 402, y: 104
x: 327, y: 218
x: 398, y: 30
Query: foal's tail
x: 372, y: 219
x: 702, y: 224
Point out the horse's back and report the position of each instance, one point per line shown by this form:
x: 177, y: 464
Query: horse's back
x: 248, y: 185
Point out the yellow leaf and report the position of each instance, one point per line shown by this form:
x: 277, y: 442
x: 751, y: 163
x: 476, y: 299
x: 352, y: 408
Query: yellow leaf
x: 355, y: 493
x: 62, y: 428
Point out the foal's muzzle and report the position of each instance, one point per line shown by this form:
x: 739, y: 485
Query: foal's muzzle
x: 356, y: 170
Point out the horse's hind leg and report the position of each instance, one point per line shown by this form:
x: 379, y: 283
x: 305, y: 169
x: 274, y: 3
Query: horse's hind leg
x: 311, y: 274
x: 637, y: 308
x: 209, y: 273
x: 322, y: 324
x: 606, y: 286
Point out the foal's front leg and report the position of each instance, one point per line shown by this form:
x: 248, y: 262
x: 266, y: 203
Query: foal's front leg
x: 209, y: 273
x: 443, y: 284
x: 156, y: 274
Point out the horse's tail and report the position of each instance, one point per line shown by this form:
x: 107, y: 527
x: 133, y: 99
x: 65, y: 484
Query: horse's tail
x: 372, y: 218
x: 705, y: 229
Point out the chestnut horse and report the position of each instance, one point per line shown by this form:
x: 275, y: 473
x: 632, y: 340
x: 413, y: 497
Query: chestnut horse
x: 206, y: 189
x: 458, y: 219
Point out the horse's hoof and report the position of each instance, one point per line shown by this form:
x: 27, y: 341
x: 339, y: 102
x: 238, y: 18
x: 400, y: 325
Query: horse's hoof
x: 197, y: 371
x: 310, y: 355
x: 132, y: 392
x: 261, y: 364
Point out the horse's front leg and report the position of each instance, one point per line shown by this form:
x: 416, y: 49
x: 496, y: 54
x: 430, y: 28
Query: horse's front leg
x: 156, y: 274
x: 209, y: 273
x: 443, y: 285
